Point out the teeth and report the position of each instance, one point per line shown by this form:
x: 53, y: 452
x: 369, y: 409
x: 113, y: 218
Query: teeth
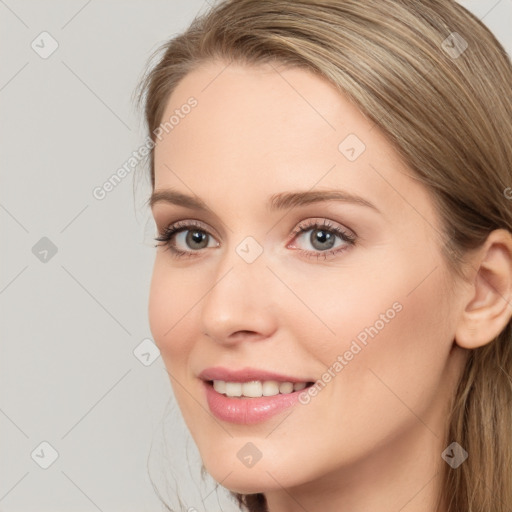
x: 286, y: 387
x: 219, y: 386
x: 233, y: 388
x: 252, y: 389
x: 270, y: 388
x: 256, y: 388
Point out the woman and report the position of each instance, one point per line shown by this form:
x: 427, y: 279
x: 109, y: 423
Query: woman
x: 332, y: 289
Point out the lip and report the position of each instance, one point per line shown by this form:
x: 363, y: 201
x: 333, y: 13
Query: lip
x: 246, y: 375
x: 245, y: 410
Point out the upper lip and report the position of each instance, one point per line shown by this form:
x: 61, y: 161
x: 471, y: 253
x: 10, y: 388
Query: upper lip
x: 245, y: 375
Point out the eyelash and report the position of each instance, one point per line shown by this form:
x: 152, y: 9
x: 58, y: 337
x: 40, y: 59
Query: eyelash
x: 325, y: 225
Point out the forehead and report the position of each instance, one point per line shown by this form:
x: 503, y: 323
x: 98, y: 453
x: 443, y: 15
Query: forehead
x: 264, y: 110
x: 265, y: 129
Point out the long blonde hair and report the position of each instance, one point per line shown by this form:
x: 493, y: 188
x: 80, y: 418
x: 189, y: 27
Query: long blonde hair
x: 438, y: 84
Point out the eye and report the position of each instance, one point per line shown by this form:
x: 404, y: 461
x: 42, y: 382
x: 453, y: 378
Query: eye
x: 186, y: 237
x: 322, y: 238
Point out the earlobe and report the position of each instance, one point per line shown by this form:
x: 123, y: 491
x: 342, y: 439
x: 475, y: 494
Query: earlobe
x: 489, y: 305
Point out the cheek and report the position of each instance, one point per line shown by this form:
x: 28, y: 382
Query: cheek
x: 395, y: 346
x: 391, y: 307
x: 171, y: 311
x: 412, y: 353
x: 390, y: 339
x: 170, y: 303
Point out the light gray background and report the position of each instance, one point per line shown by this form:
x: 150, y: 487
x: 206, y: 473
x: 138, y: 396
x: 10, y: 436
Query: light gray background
x: 70, y: 325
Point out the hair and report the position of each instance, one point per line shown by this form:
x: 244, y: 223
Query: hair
x: 448, y: 115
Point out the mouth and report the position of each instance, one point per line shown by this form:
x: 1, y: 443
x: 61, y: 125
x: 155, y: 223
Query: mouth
x: 250, y: 402
x: 256, y: 388
x: 250, y: 395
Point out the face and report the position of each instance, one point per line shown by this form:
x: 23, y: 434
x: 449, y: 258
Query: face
x: 307, y: 256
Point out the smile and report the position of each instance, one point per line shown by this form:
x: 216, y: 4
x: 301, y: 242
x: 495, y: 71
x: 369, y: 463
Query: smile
x: 246, y: 403
x: 257, y: 388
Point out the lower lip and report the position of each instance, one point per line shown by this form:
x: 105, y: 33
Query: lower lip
x: 245, y: 410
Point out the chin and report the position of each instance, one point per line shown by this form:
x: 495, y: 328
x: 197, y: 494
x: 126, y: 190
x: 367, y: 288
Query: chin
x: 243, y: 480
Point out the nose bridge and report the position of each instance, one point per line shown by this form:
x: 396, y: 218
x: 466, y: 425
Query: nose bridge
x: 238, y: 299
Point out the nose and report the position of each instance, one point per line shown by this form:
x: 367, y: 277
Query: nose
x: 240, y: 304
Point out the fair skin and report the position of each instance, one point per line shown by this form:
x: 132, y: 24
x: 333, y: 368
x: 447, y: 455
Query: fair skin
x: 372, y: 438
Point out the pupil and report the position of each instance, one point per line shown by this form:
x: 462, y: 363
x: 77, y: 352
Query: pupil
x: 319, y: 237
x: 197, y: 237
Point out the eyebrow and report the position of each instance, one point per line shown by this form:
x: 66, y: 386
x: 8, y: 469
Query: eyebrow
x: 278, y: 201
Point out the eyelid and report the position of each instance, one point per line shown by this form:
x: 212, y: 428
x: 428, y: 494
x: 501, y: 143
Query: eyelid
x: 187, y: 223
x: 329, y: 225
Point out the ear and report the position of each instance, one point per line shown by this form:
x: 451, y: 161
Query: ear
x: 489, y: 305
